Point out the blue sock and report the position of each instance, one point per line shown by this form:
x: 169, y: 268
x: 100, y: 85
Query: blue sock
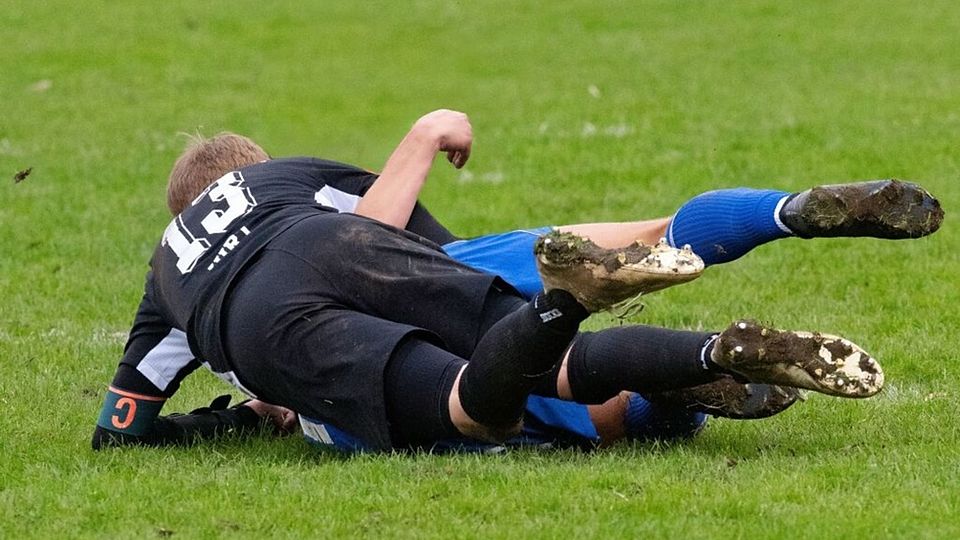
x: 648, y: 421
x: 724, y: 225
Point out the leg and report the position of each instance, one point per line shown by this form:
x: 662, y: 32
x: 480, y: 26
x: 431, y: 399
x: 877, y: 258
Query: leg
x: 724, y: 225
x: 644, y: 359
x: 615, y: 235
x: 630, y: 416
x: 506, y: 254
x: 431, y: 394
x: 652, y: 360
x: 424, y: 412
x: 419, y: 381
x: 627, y: 416
x: 511, y: 359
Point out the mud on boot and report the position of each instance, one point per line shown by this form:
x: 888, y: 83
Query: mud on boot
x: 600, y: 278
x: 881, y: 209
x: 821, y: 362
x: 728, y: 398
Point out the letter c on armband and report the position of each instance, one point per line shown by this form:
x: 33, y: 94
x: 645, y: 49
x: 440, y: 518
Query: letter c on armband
x: 131, y: 413
x: 126, y: 412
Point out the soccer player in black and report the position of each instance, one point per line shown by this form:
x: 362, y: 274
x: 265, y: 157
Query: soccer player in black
x: 365, y: 329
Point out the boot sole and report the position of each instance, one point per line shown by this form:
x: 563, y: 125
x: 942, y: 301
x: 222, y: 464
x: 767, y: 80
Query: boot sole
x: 888, y: 209
x: 600, y: 278
x: 820, y: 362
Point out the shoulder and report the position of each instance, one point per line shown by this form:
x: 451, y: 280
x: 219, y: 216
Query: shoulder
x: 312, y: 172
x: 303, y: 164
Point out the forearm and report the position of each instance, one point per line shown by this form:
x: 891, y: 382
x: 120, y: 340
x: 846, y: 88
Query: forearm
x: 131, y: 416
x: 178, y: 429
x: 207, y: 423
x: 392, y: 197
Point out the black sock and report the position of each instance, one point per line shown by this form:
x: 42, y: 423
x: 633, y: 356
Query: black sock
x: 547, y: 387
x: 639, y: 359
x: 417, y: 384
x: 515, y: 354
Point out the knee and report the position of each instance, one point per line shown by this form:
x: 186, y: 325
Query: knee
x: 468, y: 427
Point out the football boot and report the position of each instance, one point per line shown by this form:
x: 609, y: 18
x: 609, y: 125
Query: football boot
x: 880, y: 209
x: 823, y: 363
x: 601, y: 278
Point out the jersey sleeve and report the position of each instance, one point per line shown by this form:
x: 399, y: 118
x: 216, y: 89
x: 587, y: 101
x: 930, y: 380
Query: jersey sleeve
x: 155, y: 360
x: 423, y: 223
x: 157, y: 355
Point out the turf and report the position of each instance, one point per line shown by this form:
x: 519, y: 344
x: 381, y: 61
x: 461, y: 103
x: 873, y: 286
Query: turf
x: 583, y: 111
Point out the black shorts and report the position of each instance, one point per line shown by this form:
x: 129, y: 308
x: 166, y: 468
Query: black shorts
x: 312, y: 322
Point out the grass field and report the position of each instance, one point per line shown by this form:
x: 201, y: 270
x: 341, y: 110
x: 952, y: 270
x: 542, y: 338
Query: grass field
x: 583, y: 111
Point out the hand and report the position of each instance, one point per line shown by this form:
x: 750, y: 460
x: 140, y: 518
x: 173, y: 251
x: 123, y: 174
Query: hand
x: 451, y: 132
x: 283, y: 419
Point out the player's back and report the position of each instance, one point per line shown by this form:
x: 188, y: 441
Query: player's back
x: 209, y: 243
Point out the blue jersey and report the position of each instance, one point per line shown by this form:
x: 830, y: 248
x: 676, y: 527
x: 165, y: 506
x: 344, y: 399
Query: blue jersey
x: 508, y: 255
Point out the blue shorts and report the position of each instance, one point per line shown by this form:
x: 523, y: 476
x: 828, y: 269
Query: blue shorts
x: 547, y: 421
x: 508, y: 255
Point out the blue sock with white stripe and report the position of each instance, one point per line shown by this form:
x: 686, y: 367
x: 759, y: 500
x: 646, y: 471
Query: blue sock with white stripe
x: 724, y: 225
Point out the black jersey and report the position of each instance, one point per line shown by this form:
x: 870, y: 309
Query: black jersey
x: 205, y: 247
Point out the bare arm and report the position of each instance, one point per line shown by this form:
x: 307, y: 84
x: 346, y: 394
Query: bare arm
x: 392, y: 197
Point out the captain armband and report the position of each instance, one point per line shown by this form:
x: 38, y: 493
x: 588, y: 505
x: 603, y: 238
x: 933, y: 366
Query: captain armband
x: 129, y: 413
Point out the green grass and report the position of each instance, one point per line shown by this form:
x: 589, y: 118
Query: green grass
x: 688, y: 96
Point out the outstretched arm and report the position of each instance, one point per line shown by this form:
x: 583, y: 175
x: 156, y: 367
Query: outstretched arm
x: 392, y: 197
x: 155, y: 361
x: 206, y: 423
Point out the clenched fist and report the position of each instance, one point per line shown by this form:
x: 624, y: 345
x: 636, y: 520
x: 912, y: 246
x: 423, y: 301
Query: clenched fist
x: 450, y: 131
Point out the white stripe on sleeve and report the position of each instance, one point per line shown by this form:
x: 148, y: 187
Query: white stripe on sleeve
x: 161, y: 365
x: 334, y: 198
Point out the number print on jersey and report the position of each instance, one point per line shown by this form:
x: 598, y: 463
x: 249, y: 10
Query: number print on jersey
x: 187, y: 249
x: 231, y: 201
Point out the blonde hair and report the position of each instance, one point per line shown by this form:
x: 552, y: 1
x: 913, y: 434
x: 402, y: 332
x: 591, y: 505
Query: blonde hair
x: 204, y: 161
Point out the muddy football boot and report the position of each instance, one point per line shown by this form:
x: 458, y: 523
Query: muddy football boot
x: 820, y: 362
x: 601, y: 278
x: 730, y: 398
x: 881, y: 209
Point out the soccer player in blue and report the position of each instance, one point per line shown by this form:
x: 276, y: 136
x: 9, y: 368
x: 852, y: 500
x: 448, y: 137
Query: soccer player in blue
x: 720, y: 225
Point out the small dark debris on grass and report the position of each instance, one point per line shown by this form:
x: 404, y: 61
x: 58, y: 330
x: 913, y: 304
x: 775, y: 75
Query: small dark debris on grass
x: 22, y: 175
x: 731, y: 462
x: 229, y: 526
x: 164, y: 532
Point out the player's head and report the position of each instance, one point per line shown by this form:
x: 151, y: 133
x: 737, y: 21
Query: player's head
x: 204, y: 161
